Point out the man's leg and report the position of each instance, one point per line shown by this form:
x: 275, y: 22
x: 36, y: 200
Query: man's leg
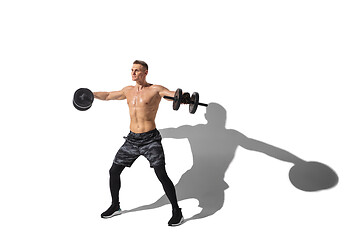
x: 170, y: 192
x: 115, y: 182
x: 115, y: 185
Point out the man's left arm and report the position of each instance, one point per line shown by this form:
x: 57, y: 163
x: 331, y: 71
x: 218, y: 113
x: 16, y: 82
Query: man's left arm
x: 163, y: 91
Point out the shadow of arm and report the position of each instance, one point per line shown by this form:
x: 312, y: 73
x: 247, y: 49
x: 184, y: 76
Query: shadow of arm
x: 176, y: 133
x: 275, y: 152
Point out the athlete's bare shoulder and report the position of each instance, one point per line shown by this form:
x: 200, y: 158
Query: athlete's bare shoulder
x: 163, y: 91
x: 127, y: 88
x: 159, y: 88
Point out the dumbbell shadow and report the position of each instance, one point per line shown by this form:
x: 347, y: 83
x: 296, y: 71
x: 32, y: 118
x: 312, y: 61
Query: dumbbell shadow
x: 213, y: 149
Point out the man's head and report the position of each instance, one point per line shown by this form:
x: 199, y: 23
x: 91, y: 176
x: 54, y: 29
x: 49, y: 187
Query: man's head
x: 139, y: 71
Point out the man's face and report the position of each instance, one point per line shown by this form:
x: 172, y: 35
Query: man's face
x: 138, y: 73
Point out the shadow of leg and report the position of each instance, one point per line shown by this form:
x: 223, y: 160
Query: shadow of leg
x: 159, y: 203
x: 203, y: 214
x: 210, y: 204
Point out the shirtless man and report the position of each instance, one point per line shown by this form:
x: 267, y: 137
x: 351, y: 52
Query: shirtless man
x: 144, y: 139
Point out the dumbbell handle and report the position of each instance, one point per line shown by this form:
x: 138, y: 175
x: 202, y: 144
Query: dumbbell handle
x: 203, y: 104
x: 172, y: 98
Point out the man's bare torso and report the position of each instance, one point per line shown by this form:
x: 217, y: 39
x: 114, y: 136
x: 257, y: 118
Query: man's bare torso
x: 143, y: 99
x: 143, y: 105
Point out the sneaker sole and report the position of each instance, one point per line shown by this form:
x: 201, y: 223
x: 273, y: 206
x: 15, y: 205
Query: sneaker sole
x: 178, y: 224
x: 113, y: 215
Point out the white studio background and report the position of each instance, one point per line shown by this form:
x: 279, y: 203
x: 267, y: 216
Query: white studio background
x: 285, y: 71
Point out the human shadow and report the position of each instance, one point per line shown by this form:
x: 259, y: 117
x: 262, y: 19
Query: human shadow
x: 213, y: 148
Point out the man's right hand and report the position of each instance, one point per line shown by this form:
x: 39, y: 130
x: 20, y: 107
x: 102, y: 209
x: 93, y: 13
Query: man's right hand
x: 185, y: 98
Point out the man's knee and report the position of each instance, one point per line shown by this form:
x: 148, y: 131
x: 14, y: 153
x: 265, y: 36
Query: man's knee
x: 116, y: 169
x: 161, y: 173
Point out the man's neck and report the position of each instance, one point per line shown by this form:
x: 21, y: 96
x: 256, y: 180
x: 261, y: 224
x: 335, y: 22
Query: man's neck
x: 140, y: 85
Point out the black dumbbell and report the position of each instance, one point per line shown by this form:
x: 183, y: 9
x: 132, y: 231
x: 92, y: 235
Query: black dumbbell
x: 194, y: 101
x: 83, y: 99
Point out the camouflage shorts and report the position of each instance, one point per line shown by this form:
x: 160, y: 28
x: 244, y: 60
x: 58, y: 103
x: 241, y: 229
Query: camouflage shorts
x: 146, y: 144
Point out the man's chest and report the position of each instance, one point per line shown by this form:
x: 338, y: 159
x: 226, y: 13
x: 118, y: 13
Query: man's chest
x: 142, y: 98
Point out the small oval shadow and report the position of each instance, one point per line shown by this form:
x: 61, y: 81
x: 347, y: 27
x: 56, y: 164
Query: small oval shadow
x: 313, y: 176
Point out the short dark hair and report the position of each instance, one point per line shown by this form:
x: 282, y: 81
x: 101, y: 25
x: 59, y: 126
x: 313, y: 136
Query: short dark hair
x: 142, y: 63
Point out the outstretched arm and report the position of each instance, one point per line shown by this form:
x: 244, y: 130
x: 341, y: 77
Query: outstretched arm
x: 176, y: 133
x: 115, y: 95
x: 275, y: 152
x: 163, y: 91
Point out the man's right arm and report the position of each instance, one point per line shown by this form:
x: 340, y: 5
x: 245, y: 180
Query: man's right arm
x: 115, y: 95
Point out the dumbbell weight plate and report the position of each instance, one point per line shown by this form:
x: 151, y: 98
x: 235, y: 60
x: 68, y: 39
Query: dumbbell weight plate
x: 194, y: 102
x: 177, y: 99
x: 83, y: 99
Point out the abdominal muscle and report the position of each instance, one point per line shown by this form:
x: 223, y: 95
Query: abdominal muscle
x: 143, y: 106
x: 142, y: 119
